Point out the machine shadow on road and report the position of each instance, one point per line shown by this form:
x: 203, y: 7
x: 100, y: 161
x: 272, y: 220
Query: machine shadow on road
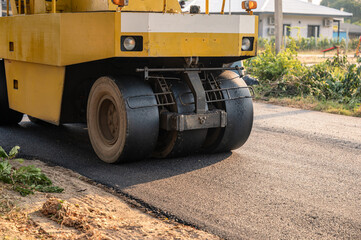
x: 69, y: 146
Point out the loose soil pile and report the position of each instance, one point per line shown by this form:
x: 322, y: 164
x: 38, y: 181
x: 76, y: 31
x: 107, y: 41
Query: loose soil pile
x: 83, y: 211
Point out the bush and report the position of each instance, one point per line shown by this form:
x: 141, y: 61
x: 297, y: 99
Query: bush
x: 334, y: 79
x: 279, y: 74
x: 283, y: 75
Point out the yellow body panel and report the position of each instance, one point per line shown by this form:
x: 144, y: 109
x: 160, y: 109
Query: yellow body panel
x: 56, y: 40
x: 38, y: 44
x: 91, y: 38
x: 39, y: 89
x: 42, y: 6
x: 71, y: 38
x: 153, y: 6
x: 189, y: 44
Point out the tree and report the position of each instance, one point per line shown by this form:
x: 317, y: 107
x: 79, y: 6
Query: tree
x: 352, y: 6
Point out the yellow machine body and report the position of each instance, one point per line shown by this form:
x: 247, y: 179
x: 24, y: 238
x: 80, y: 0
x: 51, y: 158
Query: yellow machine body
x: 63, y: 39
x: 39, y: 45
x: 43, y: 6
x: 35, y: 89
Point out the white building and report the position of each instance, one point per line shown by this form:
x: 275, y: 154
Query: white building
x: 300, y: 18
x: 2, y: 8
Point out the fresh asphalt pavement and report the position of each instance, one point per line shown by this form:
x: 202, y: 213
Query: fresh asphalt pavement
x: 297, y: 177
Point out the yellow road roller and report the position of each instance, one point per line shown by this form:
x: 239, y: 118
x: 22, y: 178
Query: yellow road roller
x: 148, y: 79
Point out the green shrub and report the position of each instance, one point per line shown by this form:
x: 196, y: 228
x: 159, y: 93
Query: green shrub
x: 279, y: 74
x: 283, y: 75
x: 335, y: 79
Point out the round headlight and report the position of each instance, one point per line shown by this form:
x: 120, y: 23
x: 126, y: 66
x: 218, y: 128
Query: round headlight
x: 246, y: 44
x: 129, y: 43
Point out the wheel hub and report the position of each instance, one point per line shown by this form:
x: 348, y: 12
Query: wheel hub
x: 109, y: 121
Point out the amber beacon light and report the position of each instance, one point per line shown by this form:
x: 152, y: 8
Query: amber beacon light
x: 121, y: 3
x: 249, y: 5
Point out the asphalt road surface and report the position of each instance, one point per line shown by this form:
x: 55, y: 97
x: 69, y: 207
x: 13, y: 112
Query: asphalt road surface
x: 298, y: 176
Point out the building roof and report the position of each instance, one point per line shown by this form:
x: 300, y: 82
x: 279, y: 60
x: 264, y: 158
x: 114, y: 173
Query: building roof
x: 290, y: 7
x: 352, y: 28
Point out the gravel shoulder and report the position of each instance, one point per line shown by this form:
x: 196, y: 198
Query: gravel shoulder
x: 98, y: 213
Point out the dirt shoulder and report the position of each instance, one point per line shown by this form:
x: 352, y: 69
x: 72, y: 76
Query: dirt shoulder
x: 316, y: 57
x: 83, y: 211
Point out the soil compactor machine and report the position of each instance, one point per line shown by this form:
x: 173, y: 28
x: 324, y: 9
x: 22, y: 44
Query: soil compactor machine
x: 147, y: 79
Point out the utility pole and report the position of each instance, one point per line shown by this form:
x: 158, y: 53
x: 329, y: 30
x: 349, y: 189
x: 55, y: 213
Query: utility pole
x: 347, y: 39
x: 278, y: 24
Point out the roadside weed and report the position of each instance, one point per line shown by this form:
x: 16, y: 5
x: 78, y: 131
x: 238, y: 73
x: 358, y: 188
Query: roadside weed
x: 25, y: 179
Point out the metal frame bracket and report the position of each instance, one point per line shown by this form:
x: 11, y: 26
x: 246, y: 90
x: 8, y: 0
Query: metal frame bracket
x: 183, y: 122
x: 195, y: 84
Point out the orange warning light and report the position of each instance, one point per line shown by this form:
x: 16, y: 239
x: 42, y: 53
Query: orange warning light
x: 120, y: 3
x: 249, y: 5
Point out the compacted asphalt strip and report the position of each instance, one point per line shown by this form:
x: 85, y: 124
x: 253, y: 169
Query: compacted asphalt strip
x: 297, y: 177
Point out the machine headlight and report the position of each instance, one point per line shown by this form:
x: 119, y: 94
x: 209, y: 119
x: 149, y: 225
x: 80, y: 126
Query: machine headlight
x: 129, y: 43
x: 246, y: 44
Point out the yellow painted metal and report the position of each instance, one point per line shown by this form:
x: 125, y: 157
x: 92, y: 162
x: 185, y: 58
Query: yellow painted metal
x: 40, y: 44
x: 91, y: 5
x: 58, y: 41
x: 42, y: 6
x: 38, y: 6
x: 7, y: 7
x: 190, y: 44
x: 165, y: 6
x: 92, y: 38
x: 39, y: 89
x: 13, y: 7
x: 25, y: 7
x: 207, y: 6
x: 19, y: 6
x: 53, y: 8
x: 31, y: 6
x: 153, y: 6
x: 223, y: 5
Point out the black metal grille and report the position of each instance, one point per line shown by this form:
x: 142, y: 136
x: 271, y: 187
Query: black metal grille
x: 164, y: 96
x: 210, y: 95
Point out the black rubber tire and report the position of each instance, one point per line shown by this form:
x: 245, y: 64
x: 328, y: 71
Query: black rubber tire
x: 239, y: 117
x: 7, y: 115
x: 117, y: 132
x: 179, y: 144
